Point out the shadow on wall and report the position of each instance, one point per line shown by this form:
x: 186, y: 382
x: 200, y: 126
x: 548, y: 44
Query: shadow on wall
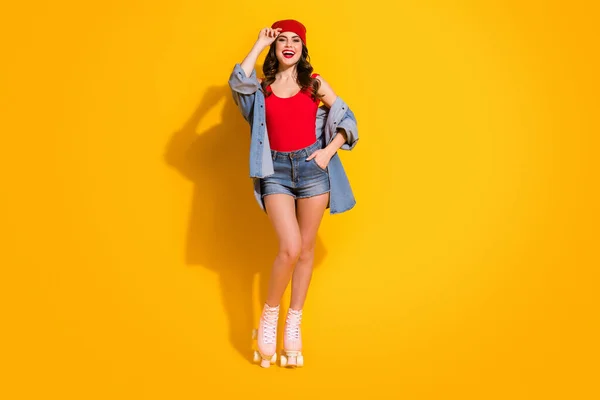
x: 228, y: 232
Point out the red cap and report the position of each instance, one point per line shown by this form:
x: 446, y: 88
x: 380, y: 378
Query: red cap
x: 291, y: 25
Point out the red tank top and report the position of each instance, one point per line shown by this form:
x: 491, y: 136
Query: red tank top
x: 291, y: 120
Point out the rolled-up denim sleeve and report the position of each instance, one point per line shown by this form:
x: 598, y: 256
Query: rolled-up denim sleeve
x: 348, y: 124
x: 243, y: 89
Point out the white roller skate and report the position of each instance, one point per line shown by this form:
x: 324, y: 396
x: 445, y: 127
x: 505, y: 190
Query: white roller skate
x: 292, y: 340
x: 266, y: 337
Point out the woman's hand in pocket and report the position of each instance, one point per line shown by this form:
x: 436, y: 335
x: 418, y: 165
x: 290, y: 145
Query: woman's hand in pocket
x: 321, y: 157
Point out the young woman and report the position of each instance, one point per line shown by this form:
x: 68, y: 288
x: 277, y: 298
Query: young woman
x: 296, y: 170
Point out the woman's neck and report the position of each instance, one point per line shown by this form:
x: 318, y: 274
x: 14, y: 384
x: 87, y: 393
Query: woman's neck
x: 286, y: 73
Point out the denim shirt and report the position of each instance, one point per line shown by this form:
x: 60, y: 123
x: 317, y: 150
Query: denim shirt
x: 251, y: 102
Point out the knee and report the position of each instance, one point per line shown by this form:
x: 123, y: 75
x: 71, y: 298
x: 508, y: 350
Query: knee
x: 290, y: 253
x: 307, y: 253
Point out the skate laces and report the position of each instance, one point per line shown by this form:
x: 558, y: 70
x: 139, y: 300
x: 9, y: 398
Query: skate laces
x: 270, y: 317
x: 294, y: 317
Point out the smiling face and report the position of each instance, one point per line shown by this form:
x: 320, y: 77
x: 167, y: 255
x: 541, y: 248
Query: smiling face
x: 288, y: 48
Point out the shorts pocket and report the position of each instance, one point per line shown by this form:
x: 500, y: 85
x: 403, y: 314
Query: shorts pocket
x: 314, y: 161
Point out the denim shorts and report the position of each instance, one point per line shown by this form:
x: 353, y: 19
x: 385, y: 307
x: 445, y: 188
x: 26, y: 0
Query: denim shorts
x: 295, y: 176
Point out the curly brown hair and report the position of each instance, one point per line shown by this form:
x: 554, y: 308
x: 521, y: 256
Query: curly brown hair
x: 303, y: 69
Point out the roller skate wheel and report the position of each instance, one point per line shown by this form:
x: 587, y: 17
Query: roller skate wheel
x: 265, y: 363
x: 283, y: 360
x: 274, y: 358
x: 300, y: 360
x: 256, y: 357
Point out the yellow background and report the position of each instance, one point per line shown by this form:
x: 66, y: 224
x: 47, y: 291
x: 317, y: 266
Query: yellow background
x: 133, y: 251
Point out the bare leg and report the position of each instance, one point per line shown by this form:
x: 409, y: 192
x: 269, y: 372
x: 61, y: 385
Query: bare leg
x: 309, y: 213
x: 281, y: 210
